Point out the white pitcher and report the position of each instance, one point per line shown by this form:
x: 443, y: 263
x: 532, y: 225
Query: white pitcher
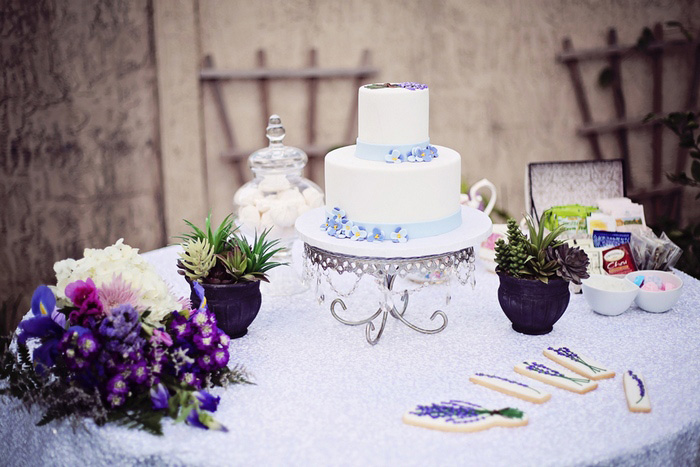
x: 475, y: 200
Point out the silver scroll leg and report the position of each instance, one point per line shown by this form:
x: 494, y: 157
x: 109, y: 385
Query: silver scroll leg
x: 370, y: 325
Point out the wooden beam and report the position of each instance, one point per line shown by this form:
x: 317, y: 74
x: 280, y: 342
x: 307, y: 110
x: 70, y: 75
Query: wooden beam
x: 208, y: 74
x: 620, y: 108
x: 607, y: 52
x: 657, y: 107
x: 581, y: 100
x: 179, y: 99
x: 264, y: 86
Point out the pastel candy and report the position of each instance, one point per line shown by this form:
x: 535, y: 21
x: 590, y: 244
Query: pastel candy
x: 639, y: 281
x: 651, y: 287
x: 668, y: 286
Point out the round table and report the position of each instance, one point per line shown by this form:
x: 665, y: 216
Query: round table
x: 323, y: 395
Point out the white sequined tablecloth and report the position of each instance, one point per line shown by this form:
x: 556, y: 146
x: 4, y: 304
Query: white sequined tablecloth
x: 323, y: 395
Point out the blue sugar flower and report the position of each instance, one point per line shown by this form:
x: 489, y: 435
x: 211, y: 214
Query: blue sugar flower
x: 399, y: 235
x: 326, y: 224
x: 358, y: 233
x: 338, y: 214
x: 421, y: 154
x: 432, y: 150
x: 377, y: 235
x: 394, y: 157
x: 159, y: 397
x: 333, y: 228
x: 347, y: 228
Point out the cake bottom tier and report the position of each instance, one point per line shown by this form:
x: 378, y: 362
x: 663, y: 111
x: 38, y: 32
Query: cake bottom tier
x: 420, y: 197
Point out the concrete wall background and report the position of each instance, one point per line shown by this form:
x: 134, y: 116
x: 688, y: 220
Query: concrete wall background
x: 497, y: 94
x: 79, y: 155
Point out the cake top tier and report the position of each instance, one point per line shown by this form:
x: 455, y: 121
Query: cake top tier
x: 393, y: 113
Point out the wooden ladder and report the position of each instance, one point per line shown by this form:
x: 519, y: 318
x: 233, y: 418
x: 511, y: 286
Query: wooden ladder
x: 312, y: 74
x: 658, y: 201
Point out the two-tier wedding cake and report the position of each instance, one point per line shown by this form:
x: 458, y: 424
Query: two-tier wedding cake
x: 393, y: 185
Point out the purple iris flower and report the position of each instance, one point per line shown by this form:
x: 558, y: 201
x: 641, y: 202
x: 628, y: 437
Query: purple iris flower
x: 207, y: 401
x: 199, y: 290
x: 43, y: 301
x: 193, y: 419
x: 159, y: 397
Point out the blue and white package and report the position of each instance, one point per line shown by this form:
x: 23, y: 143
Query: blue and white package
x: 603, y: 238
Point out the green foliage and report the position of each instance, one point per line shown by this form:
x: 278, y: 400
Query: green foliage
x: 223, y: 257
x: 197, y: 259
x: 219, y: 239
x: 527, y: 258
x: 60, y: 398
x: 684, y: 125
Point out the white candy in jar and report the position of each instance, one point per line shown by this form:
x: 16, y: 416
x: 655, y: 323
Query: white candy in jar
x: 313, y: 198
x: 284, y: 213
x: 247, y: 195
x: 273, y: 183
x: 249, y: 216
x: 264, y: 204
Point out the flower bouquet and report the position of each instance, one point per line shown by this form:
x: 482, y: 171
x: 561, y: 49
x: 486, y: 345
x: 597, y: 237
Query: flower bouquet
x: 110, y: 342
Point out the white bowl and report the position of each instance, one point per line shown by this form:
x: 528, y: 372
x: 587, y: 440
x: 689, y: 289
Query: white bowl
x: 609, y: 295
x: 663, y: 300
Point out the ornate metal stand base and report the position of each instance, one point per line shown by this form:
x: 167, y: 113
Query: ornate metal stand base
x: 422, y: 271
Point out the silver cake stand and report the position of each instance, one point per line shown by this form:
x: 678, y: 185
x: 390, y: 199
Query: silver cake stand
x: 423, y: 261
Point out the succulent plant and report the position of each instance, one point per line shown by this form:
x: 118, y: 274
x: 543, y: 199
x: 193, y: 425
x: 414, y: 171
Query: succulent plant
x: 540, y: 256
x: 222, y: 257
x: 196, y: 259
x: 572, y: 262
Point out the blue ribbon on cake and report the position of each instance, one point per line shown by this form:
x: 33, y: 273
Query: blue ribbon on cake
x: 414, y: 152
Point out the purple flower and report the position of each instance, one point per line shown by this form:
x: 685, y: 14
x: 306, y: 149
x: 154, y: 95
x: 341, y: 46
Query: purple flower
x: 90, y: 307
x: 411, y: 86
x: 224, y: 339
x: 123, y: 320
x: 204, y: 342
x: 43, y: 301
x: 78, y: 291
x: 199, y: 290
x: 642, y: 391
x: 221, y: 356
x: 116, y: 400
x: 159, y: 397
x: 117, y: 385
x: 180, y: 326
x: 193, y: 419
x: 206, y: 362
x: 139, y: 372
x: 87, y: 345
x: 191, y: 379
x: 207, y: 401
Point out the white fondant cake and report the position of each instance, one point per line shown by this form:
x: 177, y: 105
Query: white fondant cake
x: 392, y: 185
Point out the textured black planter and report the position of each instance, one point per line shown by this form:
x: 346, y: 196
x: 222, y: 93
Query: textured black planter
x: 235, y: 305
x: 532, y: 306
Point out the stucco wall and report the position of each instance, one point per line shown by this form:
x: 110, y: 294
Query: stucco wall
x: 79, y: 158
x: 497, y: 94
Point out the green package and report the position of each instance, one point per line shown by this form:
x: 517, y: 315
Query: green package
x: 572, y: 217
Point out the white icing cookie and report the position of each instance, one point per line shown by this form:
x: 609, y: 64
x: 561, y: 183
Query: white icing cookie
x: 562, y: 379
x: 578, y: 363
x: 463, y: 417
x: 511, y: 387
x: 636, y: 392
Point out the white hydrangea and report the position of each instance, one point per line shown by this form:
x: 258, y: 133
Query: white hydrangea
x: 102, y: 265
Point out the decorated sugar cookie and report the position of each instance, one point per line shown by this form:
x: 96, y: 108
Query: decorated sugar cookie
x: 562, y: 379
x: 462, y: 416
x: 577, y: 363
x: 511, y: 387
x: 636, y: 392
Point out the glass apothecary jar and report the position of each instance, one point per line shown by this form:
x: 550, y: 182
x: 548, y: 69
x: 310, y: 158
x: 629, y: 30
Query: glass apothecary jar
x: 278, y: 193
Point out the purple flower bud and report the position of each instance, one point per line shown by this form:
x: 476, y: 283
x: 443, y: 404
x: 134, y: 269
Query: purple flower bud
x: 159, y: 397
x: 116, y: 400
x: 193, y: 419
x: 207, y: 401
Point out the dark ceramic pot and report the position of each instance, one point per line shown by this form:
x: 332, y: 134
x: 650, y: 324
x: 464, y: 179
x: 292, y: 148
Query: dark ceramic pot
x: 235, y: 305
x: 532, y: 306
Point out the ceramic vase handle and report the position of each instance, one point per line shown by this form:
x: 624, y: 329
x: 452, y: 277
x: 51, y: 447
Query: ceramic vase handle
x: 492, y: 197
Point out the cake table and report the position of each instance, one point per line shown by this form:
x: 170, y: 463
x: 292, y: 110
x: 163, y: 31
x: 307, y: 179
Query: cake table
x: 423, y: 261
